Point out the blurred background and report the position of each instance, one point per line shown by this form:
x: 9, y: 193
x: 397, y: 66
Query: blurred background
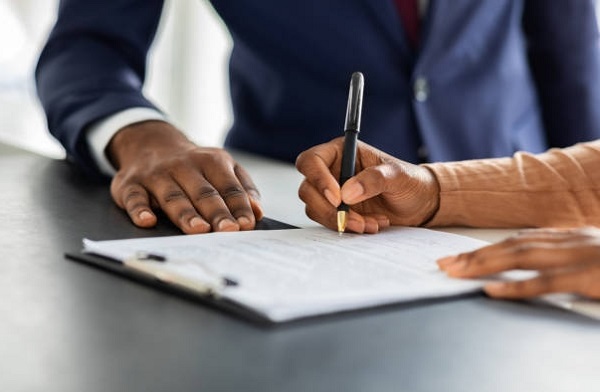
x: 187, y: 72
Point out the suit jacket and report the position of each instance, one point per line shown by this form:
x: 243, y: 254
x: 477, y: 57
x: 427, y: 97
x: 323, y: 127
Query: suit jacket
x: 489, y: 78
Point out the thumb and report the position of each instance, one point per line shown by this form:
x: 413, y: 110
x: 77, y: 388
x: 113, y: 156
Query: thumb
x: 367, y: 184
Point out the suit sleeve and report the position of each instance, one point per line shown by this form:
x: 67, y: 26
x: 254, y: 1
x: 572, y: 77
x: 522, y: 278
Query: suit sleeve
x: 94, y: 65
x: 564, y: 56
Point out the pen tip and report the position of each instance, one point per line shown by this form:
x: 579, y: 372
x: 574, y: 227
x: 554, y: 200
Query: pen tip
x: 341, y: 221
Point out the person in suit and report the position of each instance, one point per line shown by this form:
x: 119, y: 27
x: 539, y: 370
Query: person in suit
x: 559, y: 188
x: 445, y: 80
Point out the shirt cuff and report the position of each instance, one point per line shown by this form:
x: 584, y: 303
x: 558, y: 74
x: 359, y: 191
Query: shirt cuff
x: 101, y: 132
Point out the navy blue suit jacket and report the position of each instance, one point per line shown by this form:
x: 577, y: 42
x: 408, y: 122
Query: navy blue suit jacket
x: 490, y: 77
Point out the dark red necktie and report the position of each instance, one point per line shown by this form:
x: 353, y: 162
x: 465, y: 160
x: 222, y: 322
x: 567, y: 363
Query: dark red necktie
x: 409, y: 12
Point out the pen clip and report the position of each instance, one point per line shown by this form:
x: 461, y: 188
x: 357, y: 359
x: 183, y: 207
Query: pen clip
x: 354, y: 108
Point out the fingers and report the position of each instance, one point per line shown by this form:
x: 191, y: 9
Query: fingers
x: 134, y: 199
x: 317, y: 207
x: 370, y: 182
x: 316, y: 165
x: 197, y: 195
x: 251, y: 191
x: 320, y: 210
x: 133, y: 196
x: 568, y: 261
x: 523, y: 252
x: 383, y: 186
x: 200, y: 197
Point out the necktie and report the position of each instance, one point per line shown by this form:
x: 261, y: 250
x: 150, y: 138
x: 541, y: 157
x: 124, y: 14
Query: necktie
x: 409, y: 13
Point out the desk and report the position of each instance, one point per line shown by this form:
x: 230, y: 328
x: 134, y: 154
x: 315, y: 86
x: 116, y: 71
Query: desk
x: 67, y: 327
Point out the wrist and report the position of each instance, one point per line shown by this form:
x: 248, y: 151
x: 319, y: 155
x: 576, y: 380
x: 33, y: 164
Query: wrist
x: 433, y: 196
x: 129, y: 141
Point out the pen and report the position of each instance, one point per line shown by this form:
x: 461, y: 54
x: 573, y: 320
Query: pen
x: 351, y: 130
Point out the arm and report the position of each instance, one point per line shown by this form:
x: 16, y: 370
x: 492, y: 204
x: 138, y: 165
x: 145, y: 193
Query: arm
x: 567, y: 260
x: 92, y: 67
x: 557, y: 188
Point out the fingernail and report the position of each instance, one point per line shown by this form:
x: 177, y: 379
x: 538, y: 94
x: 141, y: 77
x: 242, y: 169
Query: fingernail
x: 244, y: 221
x: 197, y: 221
x: 227, y: 225
x: 145, y: 215
x: 353, y: 192
x: 330, y: 198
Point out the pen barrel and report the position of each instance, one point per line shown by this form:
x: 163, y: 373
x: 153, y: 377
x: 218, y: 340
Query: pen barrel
x: 348, y: 156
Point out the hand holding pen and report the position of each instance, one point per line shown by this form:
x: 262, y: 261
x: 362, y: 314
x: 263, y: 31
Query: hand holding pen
x: 384, y: 190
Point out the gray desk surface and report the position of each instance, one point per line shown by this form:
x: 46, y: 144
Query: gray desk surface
x: 67, y: 327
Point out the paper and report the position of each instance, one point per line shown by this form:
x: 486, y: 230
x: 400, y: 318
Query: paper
x: 574, y: 303
x: 289, y: 274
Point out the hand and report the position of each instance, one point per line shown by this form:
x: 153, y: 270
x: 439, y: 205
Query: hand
x: 200, y: 189
x: 568, y: 261
x: 385, y: 190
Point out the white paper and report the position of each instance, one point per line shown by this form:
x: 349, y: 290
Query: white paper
x: 288, y: 274
x: 574, y: 303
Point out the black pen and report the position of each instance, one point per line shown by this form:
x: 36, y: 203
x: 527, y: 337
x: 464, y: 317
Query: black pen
x: 351, y: 130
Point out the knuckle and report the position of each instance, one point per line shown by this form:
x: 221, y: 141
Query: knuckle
x: 473, y: 259
x: 173, y: 195
x: 300, y: 160
x: 522, y: 249
x: 206, y: 192
x: 133, y: 195
x: 303, y: 190
x: 232, y: 191
x: 241, y: 211
x: 378, y: 174
x: 213, y: 156
x: 136, y: 207
x: 543, y: 282
x: 513, y: 241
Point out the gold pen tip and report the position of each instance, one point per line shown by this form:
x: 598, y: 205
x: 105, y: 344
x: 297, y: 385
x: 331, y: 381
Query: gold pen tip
x: 341, y: 221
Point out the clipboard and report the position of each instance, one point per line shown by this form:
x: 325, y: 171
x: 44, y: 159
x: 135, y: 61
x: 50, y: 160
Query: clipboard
x: 205, y: 296
x: 289, y: 275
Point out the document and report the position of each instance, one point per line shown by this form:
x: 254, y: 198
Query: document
x: 283, y: 275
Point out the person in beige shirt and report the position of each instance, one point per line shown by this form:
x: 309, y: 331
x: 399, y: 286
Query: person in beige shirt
x: 559, y: 188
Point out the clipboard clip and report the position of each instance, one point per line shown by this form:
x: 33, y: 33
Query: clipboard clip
x: 170, y: 272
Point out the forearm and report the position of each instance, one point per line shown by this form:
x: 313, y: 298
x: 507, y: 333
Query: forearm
x: 557, y: 188
x: 93, y: 66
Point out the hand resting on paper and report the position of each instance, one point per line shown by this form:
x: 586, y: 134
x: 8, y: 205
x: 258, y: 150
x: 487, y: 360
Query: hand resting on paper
x: 385, y: 190
x: 200, y: 189
x: 568, y: 260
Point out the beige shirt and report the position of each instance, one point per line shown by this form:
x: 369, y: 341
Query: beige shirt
x: 559, y: 188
